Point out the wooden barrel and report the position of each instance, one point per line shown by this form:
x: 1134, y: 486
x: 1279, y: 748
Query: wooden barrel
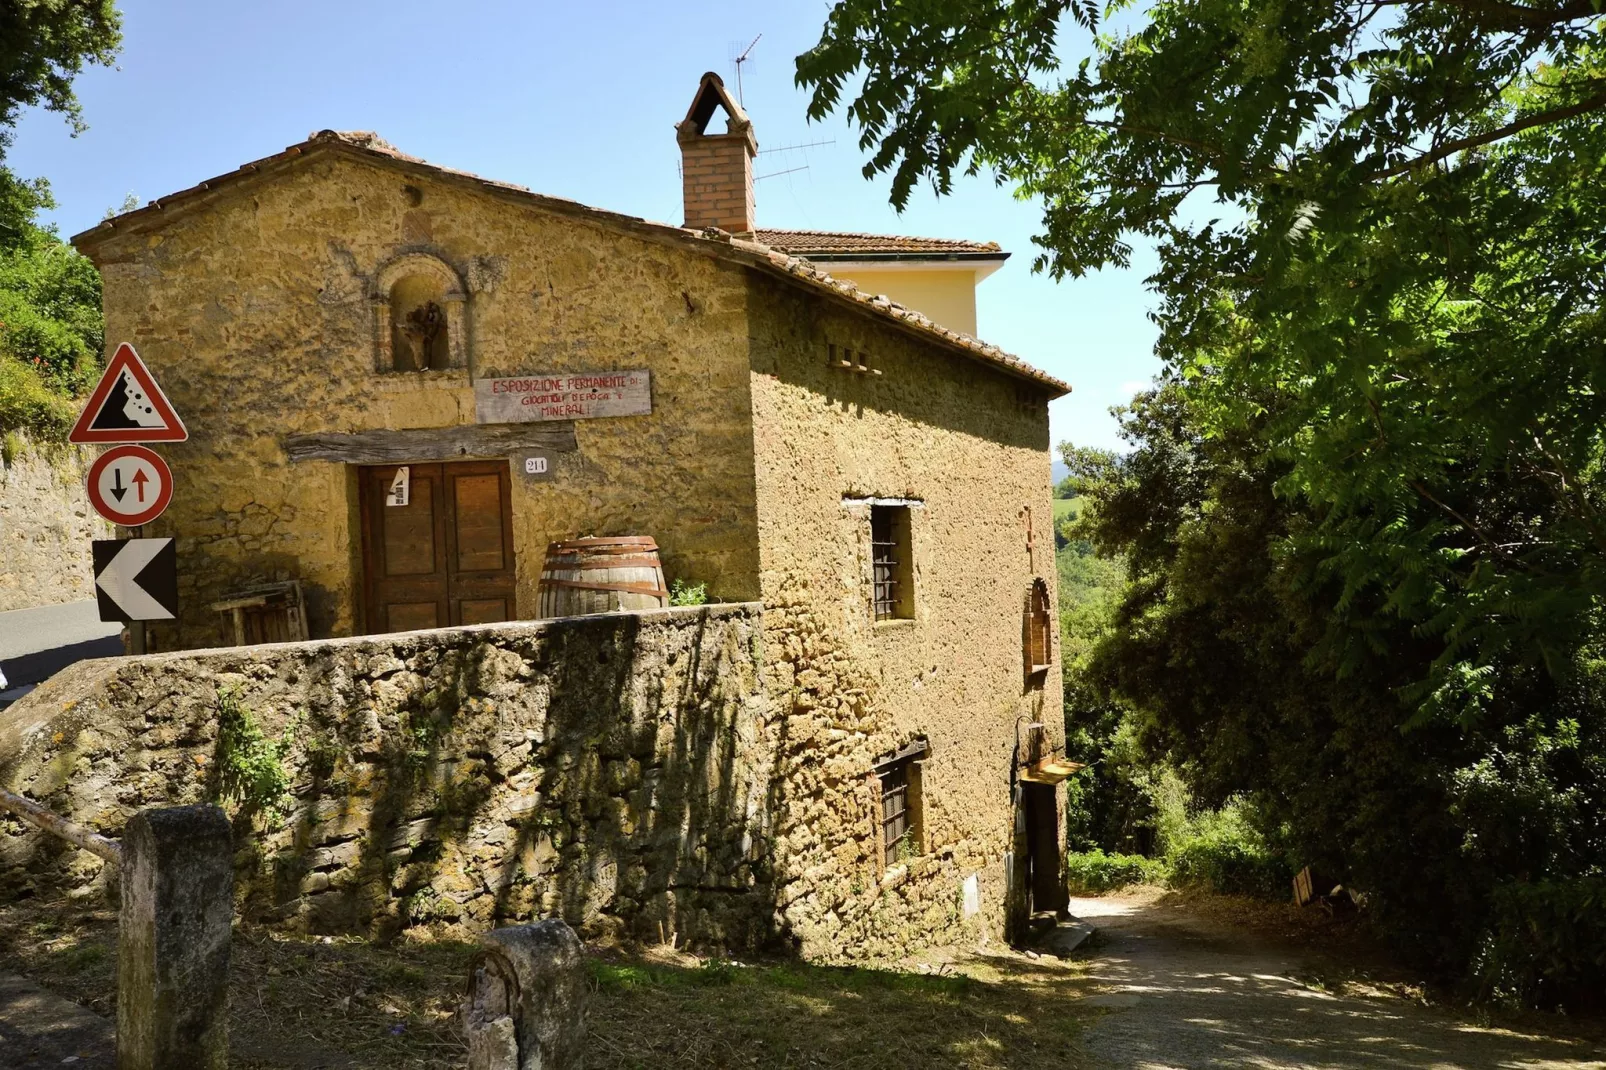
x: 601, y: 575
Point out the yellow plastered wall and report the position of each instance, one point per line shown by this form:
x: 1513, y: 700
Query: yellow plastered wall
x: 948, y: 297
x: 254, y: 313
x: 970, y: 446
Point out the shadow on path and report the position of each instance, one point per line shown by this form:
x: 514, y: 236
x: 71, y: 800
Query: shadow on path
x: 1186, y: 995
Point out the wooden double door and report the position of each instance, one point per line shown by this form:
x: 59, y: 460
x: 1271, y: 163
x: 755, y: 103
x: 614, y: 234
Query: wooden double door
x: 446, y: 556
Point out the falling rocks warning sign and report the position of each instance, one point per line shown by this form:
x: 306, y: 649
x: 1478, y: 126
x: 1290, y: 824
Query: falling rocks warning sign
x: 127, y: 406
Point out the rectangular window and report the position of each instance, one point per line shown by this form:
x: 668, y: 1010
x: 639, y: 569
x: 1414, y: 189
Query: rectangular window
x: 896, y: 834
x: 899, y: 783
x: 891, y: 564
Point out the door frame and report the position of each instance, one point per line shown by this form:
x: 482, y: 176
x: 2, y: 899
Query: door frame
x: 370, y: 520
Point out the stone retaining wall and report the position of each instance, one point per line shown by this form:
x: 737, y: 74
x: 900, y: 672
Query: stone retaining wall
x: 616, y: 770
x: 46, y: 526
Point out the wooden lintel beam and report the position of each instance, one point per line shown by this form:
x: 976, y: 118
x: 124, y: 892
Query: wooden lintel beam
x: 423, y: 444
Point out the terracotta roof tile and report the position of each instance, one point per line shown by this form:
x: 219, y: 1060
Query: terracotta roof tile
x: 832, y: 242
x: 711, y: 242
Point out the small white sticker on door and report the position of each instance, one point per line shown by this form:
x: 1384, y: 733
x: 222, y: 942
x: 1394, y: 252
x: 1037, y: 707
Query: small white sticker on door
x: 400, y: 487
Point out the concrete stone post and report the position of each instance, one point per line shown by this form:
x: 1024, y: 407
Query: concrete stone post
x: 173, y: 940
x: 525, y: 1008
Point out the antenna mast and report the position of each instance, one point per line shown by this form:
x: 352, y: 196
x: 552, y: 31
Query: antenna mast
x: 741, y: 59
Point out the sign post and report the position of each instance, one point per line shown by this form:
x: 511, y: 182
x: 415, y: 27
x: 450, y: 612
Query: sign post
x: 136, y: 580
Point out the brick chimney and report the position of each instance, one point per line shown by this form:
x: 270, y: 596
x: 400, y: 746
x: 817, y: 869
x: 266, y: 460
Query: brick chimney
x: 717, y: 169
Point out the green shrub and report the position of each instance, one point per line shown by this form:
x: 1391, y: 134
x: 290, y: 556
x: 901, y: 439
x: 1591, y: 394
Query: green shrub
x: 1219, y: 851
x: 28, y: 404
x: 1092, y: 872
x: 250, y: 766
x: 1229, y: 866
x: 682, y: 593
x: 1546, y: 944
x: 51, y: 332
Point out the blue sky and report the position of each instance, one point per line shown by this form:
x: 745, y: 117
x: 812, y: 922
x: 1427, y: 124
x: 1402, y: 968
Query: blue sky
x: 572, y: 100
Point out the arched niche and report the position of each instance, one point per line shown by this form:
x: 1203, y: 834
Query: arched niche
x: 419, y: 304
x: 1037, y: 632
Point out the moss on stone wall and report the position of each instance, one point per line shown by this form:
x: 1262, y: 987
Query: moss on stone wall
x: 611, y: 769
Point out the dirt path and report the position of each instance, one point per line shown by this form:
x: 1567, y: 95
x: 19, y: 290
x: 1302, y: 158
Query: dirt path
x: 1184, y: 994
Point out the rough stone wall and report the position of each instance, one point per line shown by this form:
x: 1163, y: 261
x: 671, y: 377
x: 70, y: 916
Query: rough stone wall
x: 615, y: 770
x: 254, y: 313
x: 46, y: 525
x: 971, y: 447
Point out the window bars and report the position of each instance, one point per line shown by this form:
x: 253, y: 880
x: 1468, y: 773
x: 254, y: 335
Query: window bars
x: 884, y: 554
x: 895, y: 811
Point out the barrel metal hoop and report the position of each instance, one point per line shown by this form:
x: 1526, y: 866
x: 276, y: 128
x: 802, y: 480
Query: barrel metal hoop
x: 628, y: 588
x: 569, y: 562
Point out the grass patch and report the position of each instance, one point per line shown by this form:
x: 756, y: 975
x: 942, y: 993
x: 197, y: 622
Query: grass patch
x: 794, y: 1015
x: 301, y: 1001
x: 1067, y: 509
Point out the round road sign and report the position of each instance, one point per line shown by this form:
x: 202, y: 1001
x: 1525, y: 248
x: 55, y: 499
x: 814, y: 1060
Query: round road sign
x: 130, y: 485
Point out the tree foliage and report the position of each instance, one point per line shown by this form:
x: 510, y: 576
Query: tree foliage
x: 1364, y: 517
x: 50, y: 316
x: 1405, y: 256
x: 1220, y: 662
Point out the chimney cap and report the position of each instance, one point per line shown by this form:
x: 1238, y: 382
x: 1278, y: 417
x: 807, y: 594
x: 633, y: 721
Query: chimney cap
x: 711, y: 94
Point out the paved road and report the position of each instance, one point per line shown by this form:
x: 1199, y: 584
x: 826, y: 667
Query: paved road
x: 1184, y: 995
x: 40, y: 1030
x: 35, y: 644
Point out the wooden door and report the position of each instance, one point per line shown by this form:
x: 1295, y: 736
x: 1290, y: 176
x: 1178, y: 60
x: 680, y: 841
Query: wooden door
x: 1043, y: 847
x: 444, y: 558
x: 479, y: 542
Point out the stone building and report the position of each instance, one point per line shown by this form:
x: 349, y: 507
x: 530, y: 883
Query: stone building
x: 876, y: 485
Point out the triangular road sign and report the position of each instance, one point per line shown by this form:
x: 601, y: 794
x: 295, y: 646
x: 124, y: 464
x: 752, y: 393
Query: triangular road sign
x: 127, y: 406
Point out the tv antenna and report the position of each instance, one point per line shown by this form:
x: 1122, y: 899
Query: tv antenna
x: 741, y: 59
x: 777, y: 174
x: 799, y: 147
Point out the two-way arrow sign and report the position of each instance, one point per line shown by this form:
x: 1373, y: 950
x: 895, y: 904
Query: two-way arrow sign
x: 136, y: 579
x: 139, y: 481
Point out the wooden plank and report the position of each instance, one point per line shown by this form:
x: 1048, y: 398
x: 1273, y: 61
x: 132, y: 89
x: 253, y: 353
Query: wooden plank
x: 420, y: 444
x: 477, y: 512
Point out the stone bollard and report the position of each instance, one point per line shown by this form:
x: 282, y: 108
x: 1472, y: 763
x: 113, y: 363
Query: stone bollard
x: 173, y: 940
x: 525, y: 1008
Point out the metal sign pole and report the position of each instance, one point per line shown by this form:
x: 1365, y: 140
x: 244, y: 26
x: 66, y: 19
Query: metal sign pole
x: 136, y: 629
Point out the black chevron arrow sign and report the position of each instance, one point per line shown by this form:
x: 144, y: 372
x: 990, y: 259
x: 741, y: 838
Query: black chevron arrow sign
x: 136, y: 579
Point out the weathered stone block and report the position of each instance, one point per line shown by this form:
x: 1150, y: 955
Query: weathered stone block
x: 173, y: 940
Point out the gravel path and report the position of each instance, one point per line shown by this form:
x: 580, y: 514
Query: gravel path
x: 1183, y: 994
